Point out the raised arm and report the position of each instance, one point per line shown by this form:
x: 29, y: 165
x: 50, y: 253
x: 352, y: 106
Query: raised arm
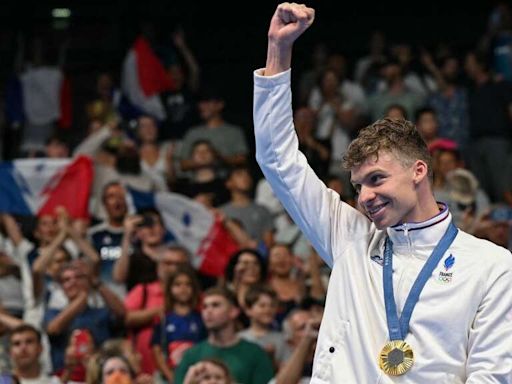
x: 313, y: 207
x: 287, y: 24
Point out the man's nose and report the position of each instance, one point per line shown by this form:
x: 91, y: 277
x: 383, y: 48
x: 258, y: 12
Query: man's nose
x: 365, y: 195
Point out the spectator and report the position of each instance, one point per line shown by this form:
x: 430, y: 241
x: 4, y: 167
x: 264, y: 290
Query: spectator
x: 335, y: 116
x: 309, y: 78
x: 227, y: 139
x: 396, y: 92
x: 367, y: 67
x: 466, y: 200
x: 317, y: 151
x: 179, y: 102
x: 107, y: 235
x: 427, y: 124
x: 490, y: 104
x: 205, y: 183
x: 56, y: 147
x: 456, y: 186
x: 301, y: 329
x: 46, y: 267
x: 25, y: 348
x: 156, y: 159
x: 261, y: 308
x: 245, y: 269
x: 284, y: 280
x: 142, y: 242
x: 78, y: 282
x: 208, y: 371
x: 396, y: 111
x: 248, y: 363
x: 79, y: 350
x: 145, y: 305
x: 450, y: 102
x: 496, y: 226
x: 181, y: 326
x: 254, y: 218
x: 116, y: 369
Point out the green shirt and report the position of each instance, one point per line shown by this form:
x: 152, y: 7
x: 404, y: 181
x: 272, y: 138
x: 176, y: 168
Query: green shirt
x: 247, y: 362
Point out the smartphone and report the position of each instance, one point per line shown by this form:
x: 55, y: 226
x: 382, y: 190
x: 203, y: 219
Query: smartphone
x: 147, y: 221
x: 81, y: 339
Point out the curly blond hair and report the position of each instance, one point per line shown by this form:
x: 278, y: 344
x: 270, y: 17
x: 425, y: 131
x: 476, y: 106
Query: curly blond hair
x: 397, y: 136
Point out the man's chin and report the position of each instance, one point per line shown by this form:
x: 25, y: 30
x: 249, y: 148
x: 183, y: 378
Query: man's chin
x: 382, y: 224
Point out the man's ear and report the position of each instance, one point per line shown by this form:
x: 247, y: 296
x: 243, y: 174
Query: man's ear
x: 420, y: 169
x: 234, y: 312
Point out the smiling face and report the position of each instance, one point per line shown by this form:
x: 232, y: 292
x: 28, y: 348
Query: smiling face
x: 280, y: 261
x: 387, y: 189
x: 73, y: 281
x: 247, y: 269
x: 263, y: 311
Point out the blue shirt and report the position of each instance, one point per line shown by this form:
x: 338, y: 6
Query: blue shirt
x: 97, y: 320
x: 107, y: 241
x: 179, y: 334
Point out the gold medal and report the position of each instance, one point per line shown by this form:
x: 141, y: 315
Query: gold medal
x: 396, y: 358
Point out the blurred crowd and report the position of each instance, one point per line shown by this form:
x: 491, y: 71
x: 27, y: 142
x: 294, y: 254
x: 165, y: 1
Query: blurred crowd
x: 111, y: 299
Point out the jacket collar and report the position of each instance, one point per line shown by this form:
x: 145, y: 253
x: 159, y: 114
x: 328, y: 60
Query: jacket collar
x: 424, y: 233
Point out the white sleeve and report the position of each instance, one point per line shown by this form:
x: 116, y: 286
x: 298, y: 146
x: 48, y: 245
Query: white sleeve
x: 490, y: 336
x: 92, y: 143
x: 313, y: 207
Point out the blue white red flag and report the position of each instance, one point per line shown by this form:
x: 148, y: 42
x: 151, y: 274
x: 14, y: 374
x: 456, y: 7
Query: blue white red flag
x: 38, y: 186
x: 193, y: 226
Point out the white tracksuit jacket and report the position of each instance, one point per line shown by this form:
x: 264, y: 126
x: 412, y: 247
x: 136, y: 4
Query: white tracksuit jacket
x: 461, y: 328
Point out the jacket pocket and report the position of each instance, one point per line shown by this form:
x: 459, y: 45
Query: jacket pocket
x: 329, y: 348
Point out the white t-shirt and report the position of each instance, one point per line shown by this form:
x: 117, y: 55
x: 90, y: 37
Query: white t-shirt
x: 42, y: 379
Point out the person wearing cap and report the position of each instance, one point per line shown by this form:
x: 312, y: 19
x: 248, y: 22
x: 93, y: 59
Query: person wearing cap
x: 466, y: 200
x: 227, y: 139
x: 411, y: 298
x: 457, y: 186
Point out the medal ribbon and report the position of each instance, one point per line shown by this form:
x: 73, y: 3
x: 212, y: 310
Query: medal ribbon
x: 398, y: 328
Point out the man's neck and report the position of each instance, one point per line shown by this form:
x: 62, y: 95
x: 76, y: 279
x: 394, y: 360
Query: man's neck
x: 31, y: 372
x: 215, y: 122
x: 225, y: 337
x: 240, y: 199
x: 428, y: 209
x: 114, y: 223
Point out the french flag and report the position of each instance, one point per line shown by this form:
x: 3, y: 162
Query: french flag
x: 193, y: 226
x: 144, y: 78
x: 39, y: 96
x: 38, y: 186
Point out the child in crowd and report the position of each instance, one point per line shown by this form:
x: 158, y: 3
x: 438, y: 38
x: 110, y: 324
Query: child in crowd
x: 181, y: 326
x: 261, y: 308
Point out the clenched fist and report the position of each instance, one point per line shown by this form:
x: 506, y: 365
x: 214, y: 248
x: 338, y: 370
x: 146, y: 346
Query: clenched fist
x: 290, y: 20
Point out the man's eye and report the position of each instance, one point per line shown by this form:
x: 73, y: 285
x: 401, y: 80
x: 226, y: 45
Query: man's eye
x: 376, y: 178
